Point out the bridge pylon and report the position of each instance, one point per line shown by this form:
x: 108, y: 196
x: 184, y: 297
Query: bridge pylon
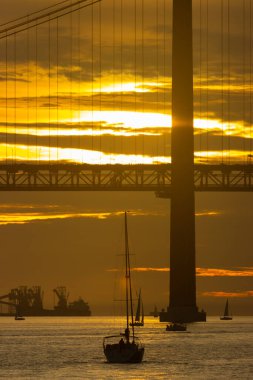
x: 182, y: 305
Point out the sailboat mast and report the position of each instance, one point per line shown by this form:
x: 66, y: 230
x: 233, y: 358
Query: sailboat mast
x: 226, y: 309
x: 138, y: 310
x: 127, y: 274
x: 131, y: 297
x: 128, y: 280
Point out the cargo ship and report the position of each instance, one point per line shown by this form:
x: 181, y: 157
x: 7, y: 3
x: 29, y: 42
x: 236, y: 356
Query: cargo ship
x: 29, y: 302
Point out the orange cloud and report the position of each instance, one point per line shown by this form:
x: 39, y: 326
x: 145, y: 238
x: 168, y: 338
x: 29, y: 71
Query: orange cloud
x: 212, y: 272
x: 202, y: 272
x: 208, y: 213
x: 10, y: 214
x: 244, y: 294
x: 151, y: 269
x: 142, y: 269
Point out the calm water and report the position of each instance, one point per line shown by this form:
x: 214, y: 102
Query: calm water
x: 71, y: 348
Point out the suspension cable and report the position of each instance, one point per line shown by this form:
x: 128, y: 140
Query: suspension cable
x: 31, y: 23
x: 33, y: 13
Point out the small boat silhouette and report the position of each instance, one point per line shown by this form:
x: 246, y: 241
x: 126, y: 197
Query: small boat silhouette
x: 227, y: 316
x: 176, y: 327
x: 139, y: 317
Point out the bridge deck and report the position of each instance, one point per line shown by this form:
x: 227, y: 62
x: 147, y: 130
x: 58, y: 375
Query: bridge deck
x: 83, y: 177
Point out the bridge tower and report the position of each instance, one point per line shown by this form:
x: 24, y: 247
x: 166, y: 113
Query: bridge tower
x: 182, y: 305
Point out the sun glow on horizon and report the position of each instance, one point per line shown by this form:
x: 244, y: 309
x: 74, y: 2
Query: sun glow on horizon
x: 45, y: 154
x: 141, y: 87
x: 127, y: 119
x: 112, y: 123
x: 22, y: 153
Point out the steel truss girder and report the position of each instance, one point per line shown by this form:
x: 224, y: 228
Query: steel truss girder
x: 157, y: 178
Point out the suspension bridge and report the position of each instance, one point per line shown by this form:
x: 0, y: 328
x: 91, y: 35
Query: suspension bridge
x: 96, y: 95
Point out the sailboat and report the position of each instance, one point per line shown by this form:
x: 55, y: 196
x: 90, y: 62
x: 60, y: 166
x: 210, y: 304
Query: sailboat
x: 139, y: 317
x: 125, y: 347
x: 156, y: 315
x: 18, y: 315
x: 227, y: 316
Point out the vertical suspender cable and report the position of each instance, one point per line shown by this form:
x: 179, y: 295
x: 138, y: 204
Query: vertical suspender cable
x: 92, y: 73
x: 114, y: 68
x: 207, y: 79
x: 57, y: 88
x: 244, y: 74
x: 121, y: 64
x: 157, y: 70
x: 100, y: 80
x: 200, y: 73
x: 250, y: 68
x: 49, y: 91
x: 28, y: 92
x: 6, y: 100
x: 71, y: 80
x: 79, y: 78
x: 135, y: 68
x: 229, y: 78
x: 143, y: 68
x: 164, y: 74
x: 36, y: 92
x: 15, y: 97
x: 222, y: 79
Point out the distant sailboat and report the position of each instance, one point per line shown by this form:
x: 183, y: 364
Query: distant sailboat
x: 227, y: 316
x: 139, y: 317
x: 156, y: 314
x: 18, y: 315
x: 126, y: 347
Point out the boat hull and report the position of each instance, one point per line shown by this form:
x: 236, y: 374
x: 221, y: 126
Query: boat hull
x: 226, y: 318
x: 176, y: 327
x: 130, y: 353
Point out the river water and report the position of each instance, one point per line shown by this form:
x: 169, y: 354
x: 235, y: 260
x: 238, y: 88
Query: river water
x: 71, y: 348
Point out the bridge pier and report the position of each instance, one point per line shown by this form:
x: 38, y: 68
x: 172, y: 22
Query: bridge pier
x: 182, y: 305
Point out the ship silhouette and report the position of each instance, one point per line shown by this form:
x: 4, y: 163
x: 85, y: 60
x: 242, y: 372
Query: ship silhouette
x: 29, y: 302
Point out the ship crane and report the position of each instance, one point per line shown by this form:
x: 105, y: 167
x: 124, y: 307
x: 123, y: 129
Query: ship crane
x: 62, y: 295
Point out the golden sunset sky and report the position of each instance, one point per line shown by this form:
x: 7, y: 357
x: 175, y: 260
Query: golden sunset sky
x: 76, y: 90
